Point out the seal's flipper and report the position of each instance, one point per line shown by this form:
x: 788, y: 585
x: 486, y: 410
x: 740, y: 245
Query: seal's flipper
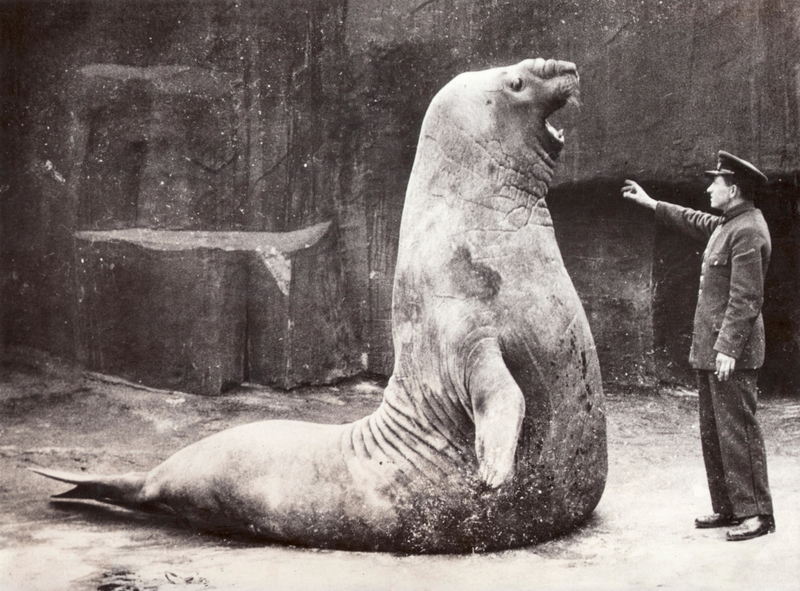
x: 122, y: 489
x: 498, y: 407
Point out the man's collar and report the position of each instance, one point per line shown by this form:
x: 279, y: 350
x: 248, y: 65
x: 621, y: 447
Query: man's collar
x: 737, y: 210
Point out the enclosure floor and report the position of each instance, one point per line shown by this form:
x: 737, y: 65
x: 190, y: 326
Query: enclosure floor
x: 640, y: 537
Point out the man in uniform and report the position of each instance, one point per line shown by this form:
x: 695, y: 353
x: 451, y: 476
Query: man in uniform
x: 728, y: 342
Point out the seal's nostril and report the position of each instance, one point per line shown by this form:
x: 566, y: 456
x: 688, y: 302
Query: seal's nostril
x: 552, y: 68
x: 539, y: 66
x: 567, y: 68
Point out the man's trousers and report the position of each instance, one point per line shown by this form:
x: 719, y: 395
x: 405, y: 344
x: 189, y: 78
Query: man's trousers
x: 733, y: 444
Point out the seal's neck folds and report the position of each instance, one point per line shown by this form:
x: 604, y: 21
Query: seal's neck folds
x: 451, y: 161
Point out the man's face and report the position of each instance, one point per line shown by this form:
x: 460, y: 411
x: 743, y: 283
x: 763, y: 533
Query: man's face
x: 721, y: 193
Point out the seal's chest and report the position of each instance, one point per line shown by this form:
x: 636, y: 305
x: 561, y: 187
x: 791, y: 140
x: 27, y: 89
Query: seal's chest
x: 471, y: 279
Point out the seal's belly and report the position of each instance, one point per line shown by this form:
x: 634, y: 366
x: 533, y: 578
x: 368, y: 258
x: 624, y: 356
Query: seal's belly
x: 285, y: 480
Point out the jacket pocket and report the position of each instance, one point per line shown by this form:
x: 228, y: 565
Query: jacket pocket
x: 719, y: 265
x: 719, y: 260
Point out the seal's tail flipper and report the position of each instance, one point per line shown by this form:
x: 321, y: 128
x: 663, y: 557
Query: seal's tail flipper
x: 124, y: 489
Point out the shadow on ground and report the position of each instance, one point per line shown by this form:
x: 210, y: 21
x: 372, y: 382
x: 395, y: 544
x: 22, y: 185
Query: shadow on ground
x: 640, y: 536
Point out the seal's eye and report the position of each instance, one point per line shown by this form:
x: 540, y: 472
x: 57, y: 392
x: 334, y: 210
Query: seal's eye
x: 516, y: 84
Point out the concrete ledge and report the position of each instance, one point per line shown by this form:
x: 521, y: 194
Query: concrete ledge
x: 204, y: 311
x: 266, y: 242
x: 174, y: 79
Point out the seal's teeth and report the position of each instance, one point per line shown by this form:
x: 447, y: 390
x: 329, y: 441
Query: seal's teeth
x: 558, y: 134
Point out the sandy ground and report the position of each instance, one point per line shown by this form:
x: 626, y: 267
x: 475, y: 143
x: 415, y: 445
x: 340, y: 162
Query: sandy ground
x: 640, y: 537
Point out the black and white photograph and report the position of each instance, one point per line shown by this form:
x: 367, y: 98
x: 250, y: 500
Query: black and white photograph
x: 399, y: 295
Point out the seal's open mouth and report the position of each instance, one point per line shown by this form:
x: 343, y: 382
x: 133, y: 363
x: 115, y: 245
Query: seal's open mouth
x: 557, y: 134
x: 563, y: 81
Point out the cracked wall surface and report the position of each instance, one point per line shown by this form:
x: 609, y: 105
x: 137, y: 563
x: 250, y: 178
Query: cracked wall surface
x: 233, y: 115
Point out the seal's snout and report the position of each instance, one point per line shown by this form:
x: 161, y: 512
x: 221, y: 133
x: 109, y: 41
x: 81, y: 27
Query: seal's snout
x: 547, y: 69
x: 559, y: 78
x: 557, y: 83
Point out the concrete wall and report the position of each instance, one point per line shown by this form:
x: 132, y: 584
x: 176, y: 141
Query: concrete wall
x: 273, y: 116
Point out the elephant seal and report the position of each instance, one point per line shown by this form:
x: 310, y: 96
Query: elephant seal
x: 491, y: 432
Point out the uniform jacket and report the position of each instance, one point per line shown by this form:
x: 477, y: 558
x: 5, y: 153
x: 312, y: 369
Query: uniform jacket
x: 728, y: 315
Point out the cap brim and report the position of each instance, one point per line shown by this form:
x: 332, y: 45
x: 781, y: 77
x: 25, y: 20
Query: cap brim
x: 741, y: 170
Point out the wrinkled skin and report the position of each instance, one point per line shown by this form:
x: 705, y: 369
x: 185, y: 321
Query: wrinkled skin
x: 491, y: 433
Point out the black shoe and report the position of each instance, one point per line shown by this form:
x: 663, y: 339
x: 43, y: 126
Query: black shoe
x: 752, y: 527
x: 716, y: 520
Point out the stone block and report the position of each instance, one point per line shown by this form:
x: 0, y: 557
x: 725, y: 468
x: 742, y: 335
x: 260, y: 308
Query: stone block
x: 172, y: 319
x: 298, y: 324
x: 203, y: 311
